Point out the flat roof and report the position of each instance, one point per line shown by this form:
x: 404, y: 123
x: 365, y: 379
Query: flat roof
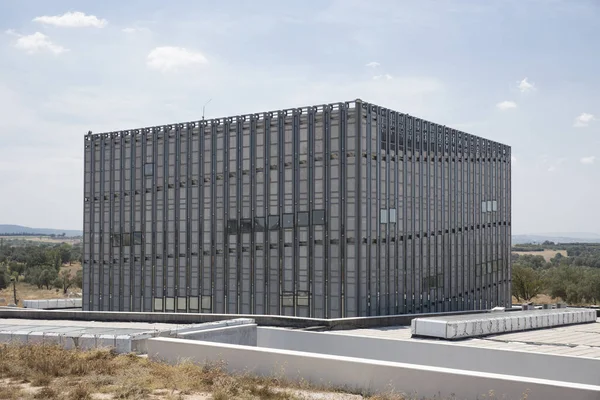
x: 581, y: 340
x: 70, y: 327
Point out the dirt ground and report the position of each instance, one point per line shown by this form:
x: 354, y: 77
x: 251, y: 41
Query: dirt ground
x: 43, y: 239
x: 26, y: 291
x: 547, y: 254
x: 539, y: 299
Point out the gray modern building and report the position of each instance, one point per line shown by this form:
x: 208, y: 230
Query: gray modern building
x: 328, y: 211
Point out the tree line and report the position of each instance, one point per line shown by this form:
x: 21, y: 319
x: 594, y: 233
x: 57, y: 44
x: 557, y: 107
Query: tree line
x: 40, y: 265
x: 575, y: 278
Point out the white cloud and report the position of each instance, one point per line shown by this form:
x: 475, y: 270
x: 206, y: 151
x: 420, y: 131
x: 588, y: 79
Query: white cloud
x: 506, y: 105
x: 75, y: 19
x: 583, y: 120
x: 588, y: 160
x: 373, y: 64
x: 172, y: 58
x: 383, y: 76
x: 131, y: 30
x: 526, y: 86
x: 552, y: 169
x: 513, y: 159
x: 36, y: 43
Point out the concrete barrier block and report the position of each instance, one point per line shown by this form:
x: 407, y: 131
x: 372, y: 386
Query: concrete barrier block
x: 456, y: 327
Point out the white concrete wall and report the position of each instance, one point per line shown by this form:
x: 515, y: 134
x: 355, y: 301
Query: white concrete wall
x: 52, y: 303
x: 366, y: 375
x: 244, y: 335
x: 120, y: 343
x: 439, y: 354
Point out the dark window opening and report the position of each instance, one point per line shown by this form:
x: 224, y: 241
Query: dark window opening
x: 232, y: 227
x: 273, y: 222
x: 116, y: 240
x: 303, y: 219
x: 246, y: 226
x: 288, y: 221
x: 259, y: 224
x: 318, y: 217
x: 127, y: 239
x: 137, y: 238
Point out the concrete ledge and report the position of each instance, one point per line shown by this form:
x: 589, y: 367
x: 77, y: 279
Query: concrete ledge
x: 190, y: 318
x: 124, y: 340
x: 436, y: 353
x: 366, y: 375
x: 244, y: 335
x: 53, y: 304
x: 465, y: 326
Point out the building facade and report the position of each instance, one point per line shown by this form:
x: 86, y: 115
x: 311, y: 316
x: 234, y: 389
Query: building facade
x: 329, y: 211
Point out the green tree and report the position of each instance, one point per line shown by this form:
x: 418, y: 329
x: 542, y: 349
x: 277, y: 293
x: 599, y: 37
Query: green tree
x: 66, y: 280
x: 556, y: 260
x: 526, y: 282
x: 65, y: 253
x: 16, y: 268
x: 4, y: 277
x: 36, y: 256
x: 75, y: 254
x: 41, y: 276
x: 567, y: 282
x: 528, y: 260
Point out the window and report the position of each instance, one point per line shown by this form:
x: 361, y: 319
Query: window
x: 483, y: 206
x: 303, y: 219
x: 392, y: 216
x: 494, y: 205
x: 288, y: 221
x: 383, y: 216
x: 116, y: 240
x: 318, y: 217
x: 245, y: 226
x: 273, y: 222
x: 127, y: 239
x: 232, y: 227
x: 149, y: 169
x: 259, y: 224
x: 137, y: 238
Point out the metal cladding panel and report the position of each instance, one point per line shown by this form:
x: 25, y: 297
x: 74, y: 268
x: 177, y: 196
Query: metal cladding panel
x: 339, y: 210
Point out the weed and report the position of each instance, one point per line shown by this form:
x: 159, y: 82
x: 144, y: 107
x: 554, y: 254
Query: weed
x: 46, y: 393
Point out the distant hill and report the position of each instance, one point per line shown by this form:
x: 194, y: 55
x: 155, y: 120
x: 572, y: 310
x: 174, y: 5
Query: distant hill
x: 569, y: 237
x: 21, y: 230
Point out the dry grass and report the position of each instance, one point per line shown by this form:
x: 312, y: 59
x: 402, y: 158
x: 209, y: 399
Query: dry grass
x: 51, y: 372
x: 547, y: 254
x: 26, y: 291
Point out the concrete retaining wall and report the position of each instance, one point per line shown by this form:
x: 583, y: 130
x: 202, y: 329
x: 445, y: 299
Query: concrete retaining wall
x: 366, y: 375
x: 439, y: 354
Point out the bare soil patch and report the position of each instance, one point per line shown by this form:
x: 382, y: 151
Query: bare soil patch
x: 547, y: 254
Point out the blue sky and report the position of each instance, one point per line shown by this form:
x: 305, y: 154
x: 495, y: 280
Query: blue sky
x: 524, y: 73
